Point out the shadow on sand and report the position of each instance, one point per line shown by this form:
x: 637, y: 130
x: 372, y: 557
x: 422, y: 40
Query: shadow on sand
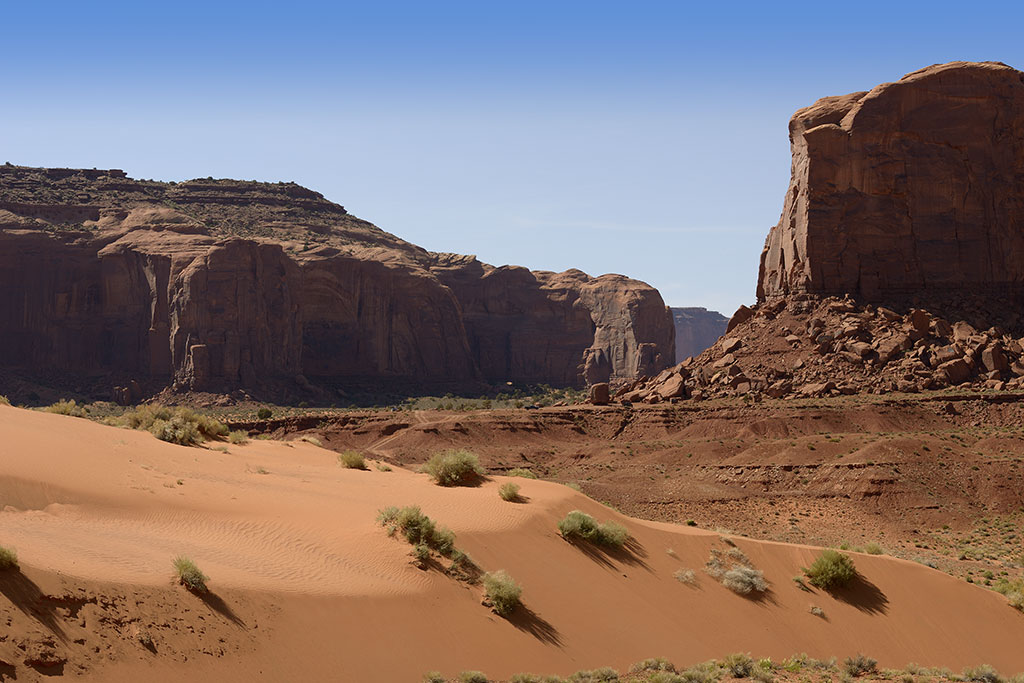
x: 525, y: 619
x: 864, y: 595
x: 217, y: 604
x: 27, y: 596
x: 631, y: 553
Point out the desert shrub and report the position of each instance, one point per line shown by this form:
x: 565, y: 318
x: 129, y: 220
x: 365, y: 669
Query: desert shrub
x: 525, y: 678
x: 8, y: 558
x: 982, y: 674
x: 421, y: 553
x: 502, y: 591
x: 417, y: 528
x: 701, y: 673
x: 66, y: 407
x: 652, y: 664
x: 181, y: 425
x: 473, y: 677
x: 521, y: 472
x: 687, y: 576
x: 238, y: 437
x: 313, y: 440
x: 509, y: 491
x: 383, y: 467
x: 264, y: 413
x: 189, y: 575
x: 817, y: 611
x: 873, y: 548
x: 579, y: 525
x: 352, y: 460
x: 605, y: 674
x: 859, y: 665
x: 4, y: 400
x: 454, y: 467
x: 739, y: 665
x: 433, y: 677
x: 831, y: 569
x: 744, y: 580
x: 663, y: 677
x: 1013, y: 590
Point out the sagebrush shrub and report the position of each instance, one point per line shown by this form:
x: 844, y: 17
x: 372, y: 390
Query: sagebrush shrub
x: 239, y: 437
x: 605, y: 674
x: 982, y: 674
x: 4, y: 401
x: 189, y: 575
x: 417, y: 528
x: 352, y: 460
x: 744, y: 580
x: 180, y: 425
x: 578, y: 525
x: 831, y: 569
x: 652, y: 664
x: 859, y: 665
x: 264, y: 413
x: 739, y: 665
x: 452, y: 468
x: 8, y: 558
x: 521, y: 472
x: 687, y: 576
x: 66, y: 407
x: 509, y: 491
x: 473, y: 677
x: 502, y: 591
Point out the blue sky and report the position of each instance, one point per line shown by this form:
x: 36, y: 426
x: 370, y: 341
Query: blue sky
x: 644, y: 138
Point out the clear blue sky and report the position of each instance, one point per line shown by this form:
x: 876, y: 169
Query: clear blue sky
x: 644, y: 138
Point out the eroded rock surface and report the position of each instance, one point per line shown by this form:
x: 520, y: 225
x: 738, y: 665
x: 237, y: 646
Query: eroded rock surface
x: 217, y: 284
x: 914, y: 188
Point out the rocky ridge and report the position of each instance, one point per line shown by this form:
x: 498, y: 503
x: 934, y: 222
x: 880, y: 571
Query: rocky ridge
x: 213, y: 285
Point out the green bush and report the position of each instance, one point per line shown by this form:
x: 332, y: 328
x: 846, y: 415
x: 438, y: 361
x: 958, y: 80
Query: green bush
x: 521, y: 472
x: 473, y: 677
x: 189, y: 575
x: 417, y: 528
x: 264, y: 413
x: 8, y: 558
x: 859, y: 665
x: 652, y: 664
x: 452, y: 468
x: 579, y: 525
x: 4, y: 401
x: 66, y: 407
x: 873, y: 548
x: 433, y: 677
x: 982, y: 674
x: 509, y: 491
x: 352, y: 460
x: 502, y: 591
x: 831, y: 569
x: 239, y: 437
x: 1013, y: 590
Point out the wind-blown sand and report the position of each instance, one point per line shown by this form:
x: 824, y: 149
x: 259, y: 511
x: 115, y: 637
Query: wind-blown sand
x: 307, y: 586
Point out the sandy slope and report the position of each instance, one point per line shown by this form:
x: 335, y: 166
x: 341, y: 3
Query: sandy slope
x: 308, y: 587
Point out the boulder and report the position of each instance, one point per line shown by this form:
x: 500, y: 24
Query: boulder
x: 599, y: 394
x: 742, y: 315
x: 956, y: 371
x: 994, y: 359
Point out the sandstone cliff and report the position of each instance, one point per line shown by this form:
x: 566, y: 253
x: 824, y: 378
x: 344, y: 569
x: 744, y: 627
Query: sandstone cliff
x: 914, y: 187
x: 218, y: 284
x: 696, y: 330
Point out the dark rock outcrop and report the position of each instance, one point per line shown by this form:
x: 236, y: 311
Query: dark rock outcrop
x: 218, y: 284
x: 914, y: 188
x: 696, y: 330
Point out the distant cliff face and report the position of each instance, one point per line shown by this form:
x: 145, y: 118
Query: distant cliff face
x: 696, y: 329
x: 914, y: 187
x: 222, y: 284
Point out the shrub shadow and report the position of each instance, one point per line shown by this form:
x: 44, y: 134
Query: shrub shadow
x: 765, y: 597
x: 27, y: 597
x: 862, y: 594
x: 217, y: 604
x: 525, y: 619
x: 631, y: 553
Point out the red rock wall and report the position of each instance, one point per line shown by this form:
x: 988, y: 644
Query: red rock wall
x: 914, y: 187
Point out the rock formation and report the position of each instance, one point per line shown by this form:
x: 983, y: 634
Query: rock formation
x: 219, y: 284
x: 914, y: 187
x: 696, y: 330
x: 898, y: 263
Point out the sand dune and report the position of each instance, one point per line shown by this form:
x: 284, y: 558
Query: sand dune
x: 309, y: 587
